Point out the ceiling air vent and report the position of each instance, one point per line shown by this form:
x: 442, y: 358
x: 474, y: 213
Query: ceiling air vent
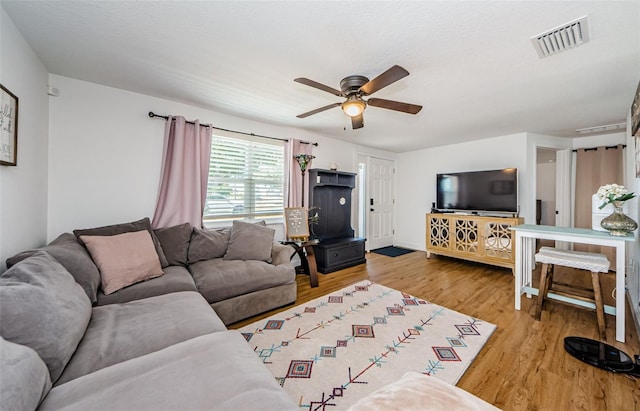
x: 562, y: 38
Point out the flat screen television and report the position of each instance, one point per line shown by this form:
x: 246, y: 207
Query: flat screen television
x: 490, y: 190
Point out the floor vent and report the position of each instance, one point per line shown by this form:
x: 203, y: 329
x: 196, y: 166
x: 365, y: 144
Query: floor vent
x: 562, y: 38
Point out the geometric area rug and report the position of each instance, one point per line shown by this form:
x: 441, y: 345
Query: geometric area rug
x: 330, y: 352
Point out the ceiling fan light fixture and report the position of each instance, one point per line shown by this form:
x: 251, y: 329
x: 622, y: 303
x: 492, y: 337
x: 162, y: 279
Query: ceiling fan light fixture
x: 354, y: 106
x: 354, y: 88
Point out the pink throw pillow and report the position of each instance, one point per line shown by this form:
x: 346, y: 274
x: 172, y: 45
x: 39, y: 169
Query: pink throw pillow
x: 123, y: 259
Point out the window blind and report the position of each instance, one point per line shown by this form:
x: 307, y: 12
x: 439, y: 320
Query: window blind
x: 246, y: 180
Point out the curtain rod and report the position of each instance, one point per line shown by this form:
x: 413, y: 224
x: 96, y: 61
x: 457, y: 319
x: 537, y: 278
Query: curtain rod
x: 595, y: 148
x: 152, y: 115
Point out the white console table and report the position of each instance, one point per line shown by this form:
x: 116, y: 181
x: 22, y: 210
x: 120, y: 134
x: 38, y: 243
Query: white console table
x: 526, y: 234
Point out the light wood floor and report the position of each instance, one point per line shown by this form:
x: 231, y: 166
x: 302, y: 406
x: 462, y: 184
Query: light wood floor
x: 524, y: 365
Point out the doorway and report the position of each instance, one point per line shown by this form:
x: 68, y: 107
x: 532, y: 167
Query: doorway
x: 546, y: 186
x: 545, y: 191
x: 554, y: 188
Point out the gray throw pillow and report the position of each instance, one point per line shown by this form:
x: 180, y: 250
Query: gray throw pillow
x: 250, y: 242
x: 43, y: 308
x: 175, y: 243
x: 207, y: 244
x: 74, y: 257
x: 25, y: 378
x: 115, y: 229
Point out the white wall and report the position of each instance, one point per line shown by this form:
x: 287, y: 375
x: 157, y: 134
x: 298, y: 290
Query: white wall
x: 23, y: 189
x: 416, y: 179
x: 105, y: 153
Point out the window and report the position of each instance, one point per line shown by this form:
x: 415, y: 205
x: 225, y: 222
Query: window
x: 449, y: 189
x: 246, y: 180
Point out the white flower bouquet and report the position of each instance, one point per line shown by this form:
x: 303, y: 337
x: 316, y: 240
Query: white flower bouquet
x: 610, y: 193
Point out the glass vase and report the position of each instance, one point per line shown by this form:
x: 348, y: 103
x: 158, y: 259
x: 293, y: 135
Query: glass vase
x: 618, y: 223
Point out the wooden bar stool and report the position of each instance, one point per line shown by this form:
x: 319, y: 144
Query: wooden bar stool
x: 593, y: 262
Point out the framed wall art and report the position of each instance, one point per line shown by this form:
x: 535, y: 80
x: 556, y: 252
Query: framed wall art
x: 8, y: 127
x: 635, y: 113
x: 637, y: 139
x: 635, y: 127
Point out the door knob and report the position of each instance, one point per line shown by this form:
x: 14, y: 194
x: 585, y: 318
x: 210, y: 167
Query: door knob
x: 371, y: 209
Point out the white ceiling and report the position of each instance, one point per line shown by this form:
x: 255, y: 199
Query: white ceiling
x: 472, y: 65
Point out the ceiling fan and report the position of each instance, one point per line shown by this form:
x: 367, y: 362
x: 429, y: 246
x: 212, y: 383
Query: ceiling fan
x: 354, y: 88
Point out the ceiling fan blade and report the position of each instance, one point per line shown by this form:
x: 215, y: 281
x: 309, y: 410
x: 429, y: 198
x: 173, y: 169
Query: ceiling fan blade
x: 390, y: 76
x: 357, y: 121
x: 318, y: 110
x: 394, y: 105
x: 319, y: 86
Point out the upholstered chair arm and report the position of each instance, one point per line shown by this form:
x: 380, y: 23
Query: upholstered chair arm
x: 281, y: 253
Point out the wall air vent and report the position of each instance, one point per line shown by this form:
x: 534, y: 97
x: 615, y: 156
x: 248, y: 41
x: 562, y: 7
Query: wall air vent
x: 562, y: 38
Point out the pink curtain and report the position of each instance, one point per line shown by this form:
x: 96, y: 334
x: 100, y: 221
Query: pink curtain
x: 595, y: 168
x: 294, y: 196
x: 184, y: 174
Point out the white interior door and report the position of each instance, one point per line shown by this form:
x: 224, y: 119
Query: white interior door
x: 380, y: 203
x: 563, y: 188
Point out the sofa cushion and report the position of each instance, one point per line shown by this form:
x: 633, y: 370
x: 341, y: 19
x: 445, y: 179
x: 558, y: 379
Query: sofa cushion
x: 219, y: 279
x: 74, y: 257
x: 250, y: 242
x: 123, y: 259
x: 143, y: 224
x: 244, y: 306
x: 24, y: 377
x: 214, y: 371
x: 175, y: 243
x: 207, y: 244
x: 43, y: 308
x: 175, y: 279
x: 119, y: 332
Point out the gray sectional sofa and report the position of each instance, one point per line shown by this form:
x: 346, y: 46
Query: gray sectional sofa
x: 239, y: 270
x: 159, y: 344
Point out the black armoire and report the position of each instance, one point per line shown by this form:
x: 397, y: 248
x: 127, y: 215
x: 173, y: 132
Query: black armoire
x: 330, y: 193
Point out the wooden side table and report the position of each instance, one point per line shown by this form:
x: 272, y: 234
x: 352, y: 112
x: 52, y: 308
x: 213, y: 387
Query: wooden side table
x: 308, y: 265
